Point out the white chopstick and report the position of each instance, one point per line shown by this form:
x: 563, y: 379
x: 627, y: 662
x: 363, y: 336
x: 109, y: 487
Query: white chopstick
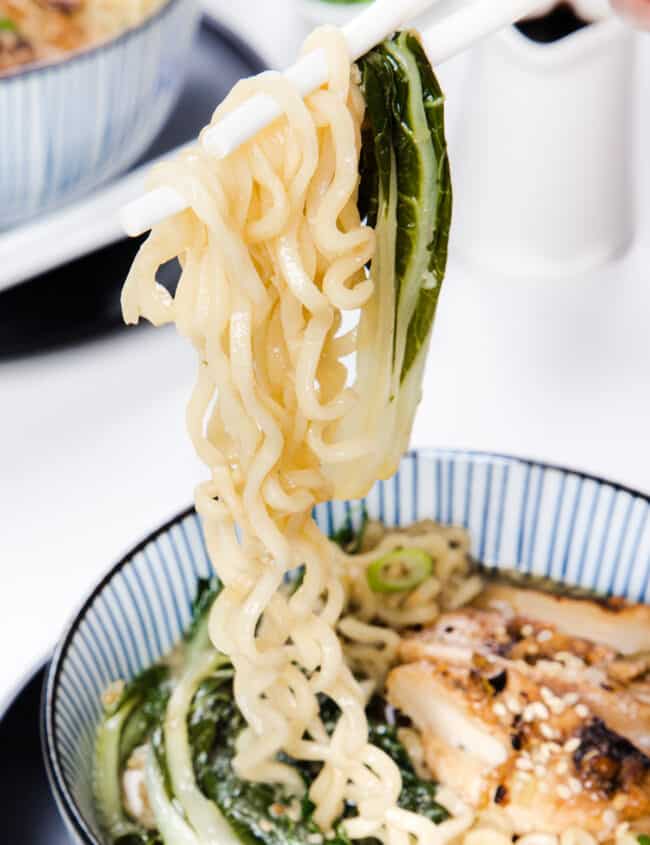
x: 374, y: 24
x: 444, y: 38
x: 468, y: 24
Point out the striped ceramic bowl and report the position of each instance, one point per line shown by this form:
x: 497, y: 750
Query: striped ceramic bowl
x: 520, y: 514
x: 68, y: 126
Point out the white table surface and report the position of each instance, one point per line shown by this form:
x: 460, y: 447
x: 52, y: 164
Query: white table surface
x: 93, y: 452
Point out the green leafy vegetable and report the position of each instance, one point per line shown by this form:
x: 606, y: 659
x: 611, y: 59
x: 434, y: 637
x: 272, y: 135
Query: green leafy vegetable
x: 7, y: 25
x: 197, y: 637
x: 144, y: 838
x: 417, y: 795
x: 405, y: 159
x: 643, y: 839
x: 106, y: 776
x: 399, y: 570
x: 173, y: 826
x: 128, y: 722
x: 151, y: 690
x: 405, y: 194
x: 136, y: 716
x: 349, y: 538
x: 215, y: 723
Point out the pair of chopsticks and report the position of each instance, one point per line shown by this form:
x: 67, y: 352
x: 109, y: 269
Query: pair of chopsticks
x: 455, y: 26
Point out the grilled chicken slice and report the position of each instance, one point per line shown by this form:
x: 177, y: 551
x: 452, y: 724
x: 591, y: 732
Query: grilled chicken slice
x: 463, y: 742
x: 611, y: 622
x: 548, y: 656
x: 525, y: 712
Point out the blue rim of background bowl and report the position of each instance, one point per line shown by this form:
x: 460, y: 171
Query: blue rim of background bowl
x: 64, y: 800
x: 95, y: 49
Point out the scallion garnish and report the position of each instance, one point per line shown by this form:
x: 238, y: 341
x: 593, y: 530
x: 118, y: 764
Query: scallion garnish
x: 399, y: 571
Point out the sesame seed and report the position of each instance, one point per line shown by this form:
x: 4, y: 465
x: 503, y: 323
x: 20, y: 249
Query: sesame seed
x: 572, y: 745
x: 540, y: 771
x: 535, y: 710
x: 556, y: 704
x: 541, y: 710
x: 544, y: 636
x: 582, y: 711
x: 546, y: 730
x: 575, y: 785
x: 499, y: 709
x: 526, y: 630
x: 528, y: 714
x: 563, y: 791
x: 276, y: 809
x: 609, y: 818
x: 513, y: 706
x: 571, y: 698
x: 571, y: 661
x: 524, y: 764
x: 562, y: 767
x: 622, y: 829
x: 314, y: 838
x: 266, y: 825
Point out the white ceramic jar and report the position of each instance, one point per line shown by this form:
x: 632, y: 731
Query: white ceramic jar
x: 542, y: 159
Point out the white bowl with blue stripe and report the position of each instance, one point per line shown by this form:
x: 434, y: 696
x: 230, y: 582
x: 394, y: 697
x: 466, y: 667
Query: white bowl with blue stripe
x: 68, y: 126
x: 522, y: 515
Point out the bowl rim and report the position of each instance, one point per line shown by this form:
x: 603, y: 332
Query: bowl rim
x: 66, y: 804
x: 86, y: 53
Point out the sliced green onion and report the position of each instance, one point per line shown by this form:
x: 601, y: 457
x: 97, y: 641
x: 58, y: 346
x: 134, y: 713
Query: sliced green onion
x: 7, y: 25
x: 399, y: 571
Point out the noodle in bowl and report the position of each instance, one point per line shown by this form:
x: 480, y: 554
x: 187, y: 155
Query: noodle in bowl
x: 519, y: 514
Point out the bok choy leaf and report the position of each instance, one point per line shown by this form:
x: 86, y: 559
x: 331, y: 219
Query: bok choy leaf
x: 405, y: 195
x: 405, y: 152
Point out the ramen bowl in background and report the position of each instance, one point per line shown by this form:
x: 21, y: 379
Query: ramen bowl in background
x: 333, y: 12
x: 521, y: 515
x: 69, y: 125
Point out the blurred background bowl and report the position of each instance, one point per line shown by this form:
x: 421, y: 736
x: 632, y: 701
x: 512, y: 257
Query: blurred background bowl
x: 334, y: 12
x: 523, y: 515
x: 70, y: 125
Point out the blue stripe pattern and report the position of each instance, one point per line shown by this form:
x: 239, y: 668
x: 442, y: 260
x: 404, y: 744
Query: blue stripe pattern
x: 541, y: 519
x: 67, y: 127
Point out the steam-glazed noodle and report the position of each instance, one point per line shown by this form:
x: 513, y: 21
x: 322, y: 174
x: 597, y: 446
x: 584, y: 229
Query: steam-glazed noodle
x: 273, y: 252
